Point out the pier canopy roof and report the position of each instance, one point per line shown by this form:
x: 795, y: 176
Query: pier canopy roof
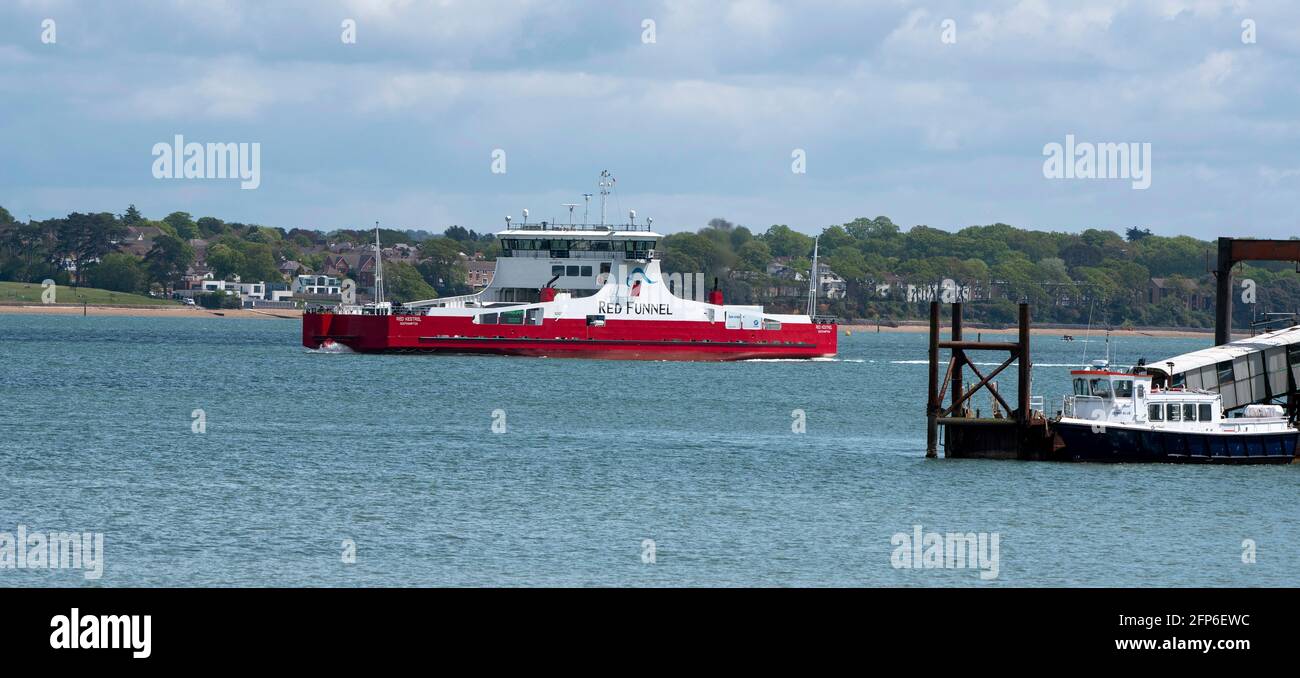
x: 1237, y: 349
x: 1257, y: 369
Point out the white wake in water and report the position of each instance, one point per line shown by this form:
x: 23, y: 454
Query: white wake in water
x: 926, y: 362
x: 804, y: 360
x: 329, y: 349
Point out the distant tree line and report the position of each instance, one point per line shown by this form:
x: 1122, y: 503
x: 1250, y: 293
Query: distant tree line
x: 1096, y: 276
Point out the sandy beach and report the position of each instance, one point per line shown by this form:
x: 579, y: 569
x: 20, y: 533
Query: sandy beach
x: 149, y: 312
x: 1076, y: 332
x: 295, y: 314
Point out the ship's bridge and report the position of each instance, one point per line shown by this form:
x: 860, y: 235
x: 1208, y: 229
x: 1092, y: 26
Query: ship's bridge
x: 579, y: 241
x: 1261, y: 369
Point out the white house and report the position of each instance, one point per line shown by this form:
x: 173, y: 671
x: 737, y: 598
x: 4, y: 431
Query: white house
x: 831, y: 284
x: 316, y: 284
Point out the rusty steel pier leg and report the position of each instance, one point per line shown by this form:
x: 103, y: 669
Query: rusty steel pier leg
x: 1223, y: 293
x: 1024, y: 365
x: 957, y: 358
x: 932, y: 404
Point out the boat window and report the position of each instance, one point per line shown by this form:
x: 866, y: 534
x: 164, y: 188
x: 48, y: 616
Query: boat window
x: 557, y: 270
x: 1180, y: 380
x: 1142, y: 391
x: 1101, y: 388
x: 586, y: 271
x: 580, y: 245
x: 1156, y: 412
x: 1173, y: 411
x: 1207, y: 412
x: 1124, y: 388
x: 534, y: 316
x: 1081, y: 387
x: 604, y: 268
x: 600, y: 246
x: 512, y: 318
x: 486, y: 319
x: 769, y: 324
x: 572, y: 271
x: 1189, y: 412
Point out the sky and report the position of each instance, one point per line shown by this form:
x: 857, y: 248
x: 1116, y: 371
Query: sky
x: 934, y: 113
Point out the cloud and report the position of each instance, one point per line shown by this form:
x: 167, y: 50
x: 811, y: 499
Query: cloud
x: 893, y: 120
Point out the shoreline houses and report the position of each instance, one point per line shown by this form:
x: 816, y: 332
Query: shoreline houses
x: 299, y: 283
x: 316, y: 273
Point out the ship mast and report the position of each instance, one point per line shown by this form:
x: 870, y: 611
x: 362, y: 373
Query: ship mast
x: 812, y: 280
x: 606, y: 182
x: 379, y: 269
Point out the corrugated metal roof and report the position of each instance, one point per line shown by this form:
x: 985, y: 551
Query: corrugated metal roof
x: 1235, y: 349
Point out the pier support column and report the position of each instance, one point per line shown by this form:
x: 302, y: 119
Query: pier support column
x: 1024, y: 365
x: 1223, y: 293
x: 958, y: 358
x: 932, y: 404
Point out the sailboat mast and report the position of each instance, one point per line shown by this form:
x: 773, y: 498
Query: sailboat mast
x: 812, y: 280
x: 379, y: 268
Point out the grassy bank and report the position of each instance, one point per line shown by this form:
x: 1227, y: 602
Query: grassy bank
x: 30, y: 293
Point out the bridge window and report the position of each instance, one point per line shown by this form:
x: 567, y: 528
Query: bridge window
x: 586, y: 271
x: 1081, y: 387
x: 1207, y: 412
x: 1173, y: 412
x: 557, y: 270
x: 1101, y: 388
x: 572, y: 271
x: 1189, y: 412
x: 1156, y: 412
x: 1124, y: 388
x: 600, y: 246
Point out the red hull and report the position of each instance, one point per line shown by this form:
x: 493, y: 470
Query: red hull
x: 618, y: 339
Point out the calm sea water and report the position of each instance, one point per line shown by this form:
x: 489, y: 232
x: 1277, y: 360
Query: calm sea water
x: 304, y: 450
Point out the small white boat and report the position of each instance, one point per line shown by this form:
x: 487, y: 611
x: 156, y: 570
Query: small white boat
x: 1121, y: 416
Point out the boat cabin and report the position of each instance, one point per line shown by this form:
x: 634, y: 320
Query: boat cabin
x: 1106, y: 396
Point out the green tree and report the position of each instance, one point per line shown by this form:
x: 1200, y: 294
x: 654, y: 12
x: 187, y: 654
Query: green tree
x: 225, y: 261
x: 403, y: 283
x: 210, y: 227
x: 132, y: 216
x: 755, y: 255
x: 182, y: 224
x: 786, y: 242
x: 119, y: 272
x: 85, y: 238
x: 168, y: 260
x: 443, y: 267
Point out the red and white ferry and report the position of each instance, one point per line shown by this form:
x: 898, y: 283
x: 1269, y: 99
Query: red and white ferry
x: 576, y: 290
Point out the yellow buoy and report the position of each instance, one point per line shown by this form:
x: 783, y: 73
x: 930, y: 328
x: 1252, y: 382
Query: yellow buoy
x: 848, y: 333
